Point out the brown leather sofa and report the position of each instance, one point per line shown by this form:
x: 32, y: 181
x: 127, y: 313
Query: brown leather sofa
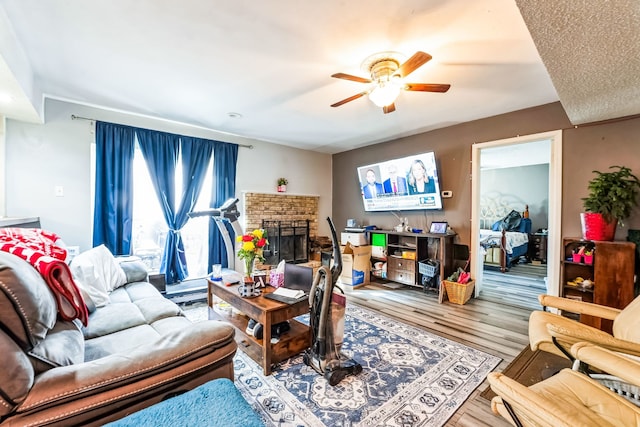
x: 135, y: 351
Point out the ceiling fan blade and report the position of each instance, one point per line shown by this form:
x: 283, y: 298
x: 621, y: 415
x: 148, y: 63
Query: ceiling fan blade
x: 417, y: 60
x: 427, y: 87
x: 351, y: 98
x: 350, y: 77
x: 389, y: 108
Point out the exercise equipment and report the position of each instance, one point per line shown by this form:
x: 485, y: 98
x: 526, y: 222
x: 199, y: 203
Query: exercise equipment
x: 228, y: 213
x: 327, y: 311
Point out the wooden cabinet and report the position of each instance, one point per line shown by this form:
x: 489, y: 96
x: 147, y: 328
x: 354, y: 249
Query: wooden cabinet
x: 611, y: 270
x: 538, y: 247
x: 405, y: 250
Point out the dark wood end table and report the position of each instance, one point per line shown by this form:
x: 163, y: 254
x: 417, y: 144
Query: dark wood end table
x: 267, y: 312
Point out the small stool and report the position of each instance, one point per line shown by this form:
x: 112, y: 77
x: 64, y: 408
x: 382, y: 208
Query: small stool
x: 217, y: 403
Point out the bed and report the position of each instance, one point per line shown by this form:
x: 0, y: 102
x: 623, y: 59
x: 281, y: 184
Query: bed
x: 502, y: 248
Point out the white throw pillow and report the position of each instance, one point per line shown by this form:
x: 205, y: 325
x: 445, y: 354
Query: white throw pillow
x: 92, y: 283
x: 98, y: 273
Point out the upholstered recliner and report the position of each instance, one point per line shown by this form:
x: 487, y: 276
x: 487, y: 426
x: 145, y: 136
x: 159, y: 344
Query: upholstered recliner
x: 569, y: 398
x: 556, y: 334
x: 135, y: 351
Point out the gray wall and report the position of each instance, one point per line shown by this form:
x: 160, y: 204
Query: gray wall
x: 587, y: 148
x: 530, y: 184
x: 40, y: 157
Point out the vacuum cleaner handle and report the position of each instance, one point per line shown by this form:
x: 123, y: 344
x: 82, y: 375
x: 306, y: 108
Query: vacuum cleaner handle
x: 336, y: 270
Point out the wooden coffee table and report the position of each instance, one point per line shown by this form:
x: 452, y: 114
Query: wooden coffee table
x: 265, y: 311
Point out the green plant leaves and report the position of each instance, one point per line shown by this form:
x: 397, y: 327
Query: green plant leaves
x: 612, y: 194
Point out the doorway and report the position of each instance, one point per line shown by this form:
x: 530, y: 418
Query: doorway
x: 546, y: 145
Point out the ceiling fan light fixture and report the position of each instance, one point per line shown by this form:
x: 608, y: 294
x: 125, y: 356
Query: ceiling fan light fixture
x: 388, y: 73
x: 384, y: 93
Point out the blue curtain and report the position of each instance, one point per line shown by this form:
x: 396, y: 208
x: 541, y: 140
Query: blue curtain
x: 113, y: 203
x: 160, y: 151
x: 196, y: 154
x: 225, y: 159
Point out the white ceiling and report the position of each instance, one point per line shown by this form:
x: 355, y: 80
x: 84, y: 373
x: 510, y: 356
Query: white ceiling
x: 196, y: 61
x: 516, y: 155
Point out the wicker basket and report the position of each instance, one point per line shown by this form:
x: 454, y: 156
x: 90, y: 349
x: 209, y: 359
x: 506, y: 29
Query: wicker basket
x: 459, y: 293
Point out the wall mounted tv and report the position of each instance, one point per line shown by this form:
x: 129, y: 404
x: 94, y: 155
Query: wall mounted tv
x: 407, y: 183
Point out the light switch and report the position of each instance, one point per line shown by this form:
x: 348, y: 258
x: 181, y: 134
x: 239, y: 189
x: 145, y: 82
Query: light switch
x: 59, y: 190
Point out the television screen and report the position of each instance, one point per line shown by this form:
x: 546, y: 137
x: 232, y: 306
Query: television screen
x: 407, y: 183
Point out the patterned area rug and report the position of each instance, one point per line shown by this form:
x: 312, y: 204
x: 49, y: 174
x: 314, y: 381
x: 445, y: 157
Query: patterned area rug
x: 410, y: 378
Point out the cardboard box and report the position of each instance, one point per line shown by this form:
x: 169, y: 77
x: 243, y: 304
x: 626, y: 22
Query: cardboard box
x: 356, y: 265
x: 356, y: 239
x: 315, y: 265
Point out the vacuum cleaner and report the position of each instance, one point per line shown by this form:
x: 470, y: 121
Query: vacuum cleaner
x: 327, y: 311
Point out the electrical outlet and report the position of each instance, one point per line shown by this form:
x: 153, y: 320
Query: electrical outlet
x: 59, y: 191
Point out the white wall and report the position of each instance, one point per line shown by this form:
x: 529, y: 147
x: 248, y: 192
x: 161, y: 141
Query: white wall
x: 3, y: 174
x: 40, y: 157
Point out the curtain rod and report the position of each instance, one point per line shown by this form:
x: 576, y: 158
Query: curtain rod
x: 74, y: 117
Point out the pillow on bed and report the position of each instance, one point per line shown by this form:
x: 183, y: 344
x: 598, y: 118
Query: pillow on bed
x: 98, y: 273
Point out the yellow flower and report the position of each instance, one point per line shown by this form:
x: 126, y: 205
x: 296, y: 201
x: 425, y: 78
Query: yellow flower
x: 248, y: 246
x: 258, y: 233
x: 238, y: 238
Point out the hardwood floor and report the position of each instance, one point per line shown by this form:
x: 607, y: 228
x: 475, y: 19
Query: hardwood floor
x: 498, y: 328
x: 520, y: 286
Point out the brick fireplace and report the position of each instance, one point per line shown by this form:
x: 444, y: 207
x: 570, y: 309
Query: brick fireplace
x: 280, y: 207
x: 291, y: 212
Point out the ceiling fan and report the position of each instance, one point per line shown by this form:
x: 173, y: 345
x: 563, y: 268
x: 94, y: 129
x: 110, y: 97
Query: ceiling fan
x: 387, y: 75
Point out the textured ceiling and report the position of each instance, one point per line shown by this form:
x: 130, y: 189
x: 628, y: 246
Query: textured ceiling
x: 591, y: 49
x: 196, y: 61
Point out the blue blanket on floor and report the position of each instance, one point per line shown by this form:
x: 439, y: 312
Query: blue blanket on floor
x: 217, y: 403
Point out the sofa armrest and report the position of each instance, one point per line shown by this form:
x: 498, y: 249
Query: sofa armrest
x: 579, y: 307
x: 606, y: 360
x: 101, y: 382
x: 572, y: 334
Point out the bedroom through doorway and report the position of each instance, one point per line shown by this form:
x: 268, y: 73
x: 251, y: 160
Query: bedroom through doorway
x: 513, y: 211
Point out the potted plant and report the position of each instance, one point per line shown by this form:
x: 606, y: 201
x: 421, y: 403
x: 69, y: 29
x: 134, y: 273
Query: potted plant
x: 612, y: 196
x: 282, y: 185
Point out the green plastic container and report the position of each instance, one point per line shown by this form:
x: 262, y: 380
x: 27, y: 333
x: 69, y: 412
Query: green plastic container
x: 378, y: 239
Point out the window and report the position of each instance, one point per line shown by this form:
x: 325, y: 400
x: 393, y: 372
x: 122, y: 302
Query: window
x: 149, y: 227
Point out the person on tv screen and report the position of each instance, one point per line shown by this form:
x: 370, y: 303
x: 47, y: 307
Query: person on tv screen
x: 419, y: 181
x: 372, y: 188
x: 394, y: 184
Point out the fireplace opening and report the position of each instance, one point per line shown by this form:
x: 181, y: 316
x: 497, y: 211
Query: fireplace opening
x: 288, y: 241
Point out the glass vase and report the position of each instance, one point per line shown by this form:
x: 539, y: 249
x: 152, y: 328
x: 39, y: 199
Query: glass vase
x: 248, y: 269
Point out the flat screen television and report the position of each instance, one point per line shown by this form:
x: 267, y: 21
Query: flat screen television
x: 407, y: 183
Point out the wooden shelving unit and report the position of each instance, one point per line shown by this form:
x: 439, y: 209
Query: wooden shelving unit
x: 405, y: 250
x: 612, y: 273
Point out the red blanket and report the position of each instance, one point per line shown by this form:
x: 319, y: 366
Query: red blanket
x: 40, y: 248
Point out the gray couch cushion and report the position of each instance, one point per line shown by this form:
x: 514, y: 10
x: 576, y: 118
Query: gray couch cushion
x: 16, y: 375
x: 27, y: 304
x: 134, y: 269
x: 134, y: 304
x: 119, y: 342
x: 63, y: 346
x: 113, y: 317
